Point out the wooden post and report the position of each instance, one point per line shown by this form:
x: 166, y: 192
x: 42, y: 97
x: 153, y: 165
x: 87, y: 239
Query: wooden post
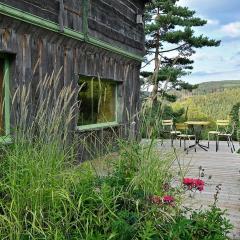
x: 61, y: 15
x: 132, y: 134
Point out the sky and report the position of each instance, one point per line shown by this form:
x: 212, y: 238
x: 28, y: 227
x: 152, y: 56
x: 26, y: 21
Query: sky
x: 223, y: 62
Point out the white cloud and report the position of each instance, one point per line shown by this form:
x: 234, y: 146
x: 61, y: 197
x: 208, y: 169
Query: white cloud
x: 232, y: 29
x: 212, y: 21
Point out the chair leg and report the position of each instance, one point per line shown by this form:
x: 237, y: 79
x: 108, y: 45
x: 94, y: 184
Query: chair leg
x: 171, y: 140
x: 216, y: 143
x: 208, y: 139
x: 180, y: 142
x: 228, y: 139
x: 228, y: 142
x: 184, y: 144
x: 195, y: 144
x: 233, y: 144
x: 231, y: 141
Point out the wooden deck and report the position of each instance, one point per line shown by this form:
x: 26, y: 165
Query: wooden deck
x: 224, y: 168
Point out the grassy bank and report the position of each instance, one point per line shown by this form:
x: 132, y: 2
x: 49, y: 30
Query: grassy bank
x: 44, y: 194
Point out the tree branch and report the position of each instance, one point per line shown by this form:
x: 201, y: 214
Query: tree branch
x: 173, y: 49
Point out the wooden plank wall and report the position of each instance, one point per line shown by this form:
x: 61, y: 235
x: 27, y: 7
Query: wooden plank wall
x: 112, y: 21
x: 42, y: 8
x: 39, y: 52
x: 115, y: 22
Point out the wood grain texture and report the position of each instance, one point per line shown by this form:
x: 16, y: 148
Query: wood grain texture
x: 109, y: 20
x: 39, y: 52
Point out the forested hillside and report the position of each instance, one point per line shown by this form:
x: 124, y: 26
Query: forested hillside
x: 210, y: 87
x: 210, y: 106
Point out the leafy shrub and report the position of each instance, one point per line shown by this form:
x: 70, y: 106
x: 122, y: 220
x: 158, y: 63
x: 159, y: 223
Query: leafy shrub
x: 202, y: 224
x: 235, y: 117
x: 151, y: 118
x: 45, y: 196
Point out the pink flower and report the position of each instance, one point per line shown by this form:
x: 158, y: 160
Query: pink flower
x: 200, y: 188
x: 199, y: 184
x: 191, y: 183
x: 187, y: 181
x: 168, y: 199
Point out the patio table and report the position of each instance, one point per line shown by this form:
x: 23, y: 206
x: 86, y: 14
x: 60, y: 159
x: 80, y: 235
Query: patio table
x: 197, y: 127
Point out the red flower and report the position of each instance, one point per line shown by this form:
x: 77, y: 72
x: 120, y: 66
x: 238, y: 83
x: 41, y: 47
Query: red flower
x: 187, y: 181
x: 168, y: 199
x: 191, y: 183
x: 199, y: 184
x: 200, y: 188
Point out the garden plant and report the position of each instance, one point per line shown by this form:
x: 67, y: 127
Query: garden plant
x: 44, y: 194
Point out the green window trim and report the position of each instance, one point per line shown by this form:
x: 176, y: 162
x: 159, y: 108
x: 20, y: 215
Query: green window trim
x: 97, y: 126
x: 6, y: 100
x: 35, y: 20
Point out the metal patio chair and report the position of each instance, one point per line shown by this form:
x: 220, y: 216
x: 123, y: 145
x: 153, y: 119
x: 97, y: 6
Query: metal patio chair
x: 228, y: 134
x: 185, y: 135
x: 168, y: 128
x: 221, y: 127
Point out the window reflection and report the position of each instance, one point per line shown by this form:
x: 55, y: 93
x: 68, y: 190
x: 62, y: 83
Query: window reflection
x: 97, y: 100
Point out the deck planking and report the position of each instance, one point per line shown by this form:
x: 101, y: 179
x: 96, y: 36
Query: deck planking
x: 222, y: 167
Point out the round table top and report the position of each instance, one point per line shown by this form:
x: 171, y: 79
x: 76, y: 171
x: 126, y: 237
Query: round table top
x: 201, y: 123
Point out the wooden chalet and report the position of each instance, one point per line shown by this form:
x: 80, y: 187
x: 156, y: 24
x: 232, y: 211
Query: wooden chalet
x: 89, y: 40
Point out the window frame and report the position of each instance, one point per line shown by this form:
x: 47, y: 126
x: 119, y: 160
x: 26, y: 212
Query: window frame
x: 6, y: 138
x: 117, y: 100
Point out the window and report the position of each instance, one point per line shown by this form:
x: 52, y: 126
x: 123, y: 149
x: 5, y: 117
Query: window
x: 97, y: 100
x: 4, y: 98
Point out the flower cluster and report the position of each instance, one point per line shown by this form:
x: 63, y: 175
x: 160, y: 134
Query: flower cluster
x: 192, y: 183
x: 158, y: 200
x: 168, y: 199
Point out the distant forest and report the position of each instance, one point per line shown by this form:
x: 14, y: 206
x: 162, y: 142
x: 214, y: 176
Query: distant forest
x: 211, y: 101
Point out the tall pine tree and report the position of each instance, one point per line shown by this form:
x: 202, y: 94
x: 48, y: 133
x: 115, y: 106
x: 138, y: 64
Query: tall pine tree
x: 170, y: 42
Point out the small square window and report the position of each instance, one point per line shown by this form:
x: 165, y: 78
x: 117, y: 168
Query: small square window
x: 97, y: 98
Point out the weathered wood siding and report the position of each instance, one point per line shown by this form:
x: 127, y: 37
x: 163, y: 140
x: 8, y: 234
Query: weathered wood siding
x: 109, y: 20
x: 115, y: 22
x: 36, y: 52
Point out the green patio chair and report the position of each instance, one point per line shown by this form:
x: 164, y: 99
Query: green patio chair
x: 228, y: 134
x: 221, y: 127
x: 185, y: 135
x: 168, y: 128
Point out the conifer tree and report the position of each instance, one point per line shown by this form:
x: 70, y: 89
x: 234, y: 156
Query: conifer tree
x: 170, y: 42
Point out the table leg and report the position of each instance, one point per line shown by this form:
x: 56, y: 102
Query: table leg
x: 197, y: 132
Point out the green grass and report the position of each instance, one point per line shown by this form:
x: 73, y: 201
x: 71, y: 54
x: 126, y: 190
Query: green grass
x: 45, y: 195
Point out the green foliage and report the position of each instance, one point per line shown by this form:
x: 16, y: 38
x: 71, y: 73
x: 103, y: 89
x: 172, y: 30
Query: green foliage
x: 202, y: 224
x: 153, y: 115
x: 235, y: 117
x: 211, y: 106
x: 44, y: 196
x: 218, y: 86
x: 169, y: 28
